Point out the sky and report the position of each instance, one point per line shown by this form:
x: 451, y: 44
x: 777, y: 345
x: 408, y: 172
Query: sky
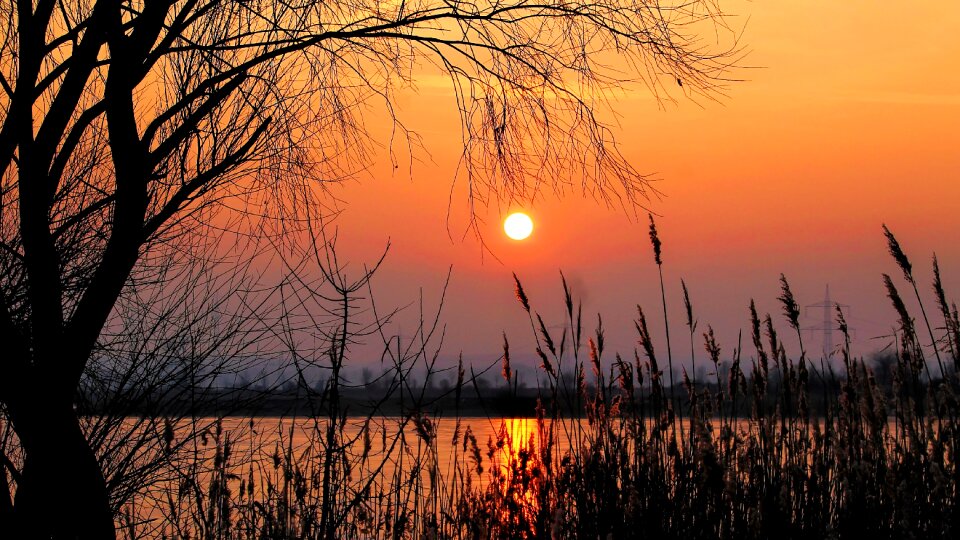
x: 846, y: 119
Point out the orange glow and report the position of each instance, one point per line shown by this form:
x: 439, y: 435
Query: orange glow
x: 520, y: 432
x: 520, y: 474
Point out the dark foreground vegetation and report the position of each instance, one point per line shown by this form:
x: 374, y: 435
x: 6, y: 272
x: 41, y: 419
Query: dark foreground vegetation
x: 743, y: 456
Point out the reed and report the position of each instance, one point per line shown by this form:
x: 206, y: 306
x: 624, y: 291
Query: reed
x: 765, y: 452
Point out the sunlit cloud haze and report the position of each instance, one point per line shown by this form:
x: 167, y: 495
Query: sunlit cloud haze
x: 846, y: 119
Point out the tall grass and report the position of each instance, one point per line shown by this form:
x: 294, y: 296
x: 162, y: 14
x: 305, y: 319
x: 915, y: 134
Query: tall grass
x: 782, y: 447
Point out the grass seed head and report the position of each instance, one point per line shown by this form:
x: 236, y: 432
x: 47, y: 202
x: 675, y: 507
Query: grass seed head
x: 906, y: 323
x: 898, y: 255
x: 655, y: 240
x: 687, y: 306
x: 521, y: 296
x: 790, y: 307
x: 506, y: 371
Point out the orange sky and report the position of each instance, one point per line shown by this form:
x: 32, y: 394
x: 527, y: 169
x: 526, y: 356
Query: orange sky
x: 849, y: 120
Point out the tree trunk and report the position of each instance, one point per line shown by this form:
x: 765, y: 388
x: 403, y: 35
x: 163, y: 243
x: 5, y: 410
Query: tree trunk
x: 6, y: 505
x: 62, y: 493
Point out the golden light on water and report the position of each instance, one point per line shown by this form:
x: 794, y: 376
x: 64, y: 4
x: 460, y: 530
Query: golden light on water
x: 522, y: 472
x: 518, y: 226
x: 521, y: 431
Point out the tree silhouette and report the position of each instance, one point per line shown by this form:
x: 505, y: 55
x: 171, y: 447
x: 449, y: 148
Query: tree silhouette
x: 127, y: 127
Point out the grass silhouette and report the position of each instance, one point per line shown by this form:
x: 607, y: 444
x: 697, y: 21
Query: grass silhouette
x: 614, y: 453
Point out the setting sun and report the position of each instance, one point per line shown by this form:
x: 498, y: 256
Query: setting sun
x: 518, y: 226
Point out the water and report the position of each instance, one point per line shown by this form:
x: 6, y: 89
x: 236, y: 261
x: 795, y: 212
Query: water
x: 379, y: 454
x: 256, y: 439
x: 383, y: 460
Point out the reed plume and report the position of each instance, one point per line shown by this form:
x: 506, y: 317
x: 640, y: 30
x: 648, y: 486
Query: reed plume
x: 791, y: 309
x: 655, y: 241
x: 893, y: 246
x: 521, y: 296
x: 506, y: 371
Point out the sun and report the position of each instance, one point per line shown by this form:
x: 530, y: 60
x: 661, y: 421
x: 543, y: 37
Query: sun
x: 518, y: 226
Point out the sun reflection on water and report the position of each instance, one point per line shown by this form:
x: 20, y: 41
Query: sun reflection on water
x: 519, y: 474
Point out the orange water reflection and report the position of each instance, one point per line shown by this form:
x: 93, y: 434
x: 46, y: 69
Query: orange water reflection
x: 519, y: 474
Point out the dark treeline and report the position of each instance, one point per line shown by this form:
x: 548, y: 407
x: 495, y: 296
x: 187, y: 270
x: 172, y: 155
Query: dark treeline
x: 437, y: 396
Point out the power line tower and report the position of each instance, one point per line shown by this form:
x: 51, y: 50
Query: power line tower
x: 827, y: 326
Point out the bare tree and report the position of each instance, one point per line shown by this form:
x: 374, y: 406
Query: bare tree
x: 125, y: 125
